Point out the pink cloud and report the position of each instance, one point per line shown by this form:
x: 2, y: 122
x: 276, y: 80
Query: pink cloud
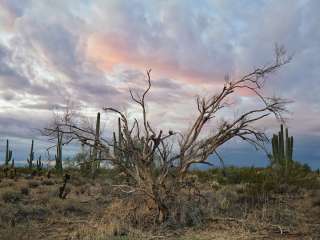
x: 112, y: 49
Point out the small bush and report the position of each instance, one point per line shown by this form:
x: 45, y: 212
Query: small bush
x: 11, y: 196
x: 24, y: 190
x: 47, y: 182
x: 6, y: 183
x: 68, y: 206
x: 316, y: 197
x: 34, y: 184
x: 27, y: 212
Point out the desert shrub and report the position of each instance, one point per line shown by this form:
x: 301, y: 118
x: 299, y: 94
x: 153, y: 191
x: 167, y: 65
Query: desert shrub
x: 24, y: 190
x: 138, y: 212
x: 232, y: 175
x: 33, y: 184
x: 111, y: 231
x: 7, y: 212
x: 11, y: 196
x: 316, y: 197
x: 78, y: 181
x: 213, y: 174
x: 225, y: 202
x: 187, y: 212
x: 47, y: 194
x: 19, y: 213
x: 47, y: 182
x: 30, y: 212
x: 215, y: 185
x: 22, y: 232
x: 106, y: 189
x: 134, y: 211
x: 68, y: 206
x: 6, y: 183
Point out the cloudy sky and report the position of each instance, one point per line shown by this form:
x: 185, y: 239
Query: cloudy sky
x: 93, y: 51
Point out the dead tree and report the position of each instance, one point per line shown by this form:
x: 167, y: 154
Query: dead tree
x: 157, y: 162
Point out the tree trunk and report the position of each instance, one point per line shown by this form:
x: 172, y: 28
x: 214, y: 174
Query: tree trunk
x: 163, y: 213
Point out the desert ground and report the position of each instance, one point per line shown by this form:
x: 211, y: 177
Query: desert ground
x: 236, y: 206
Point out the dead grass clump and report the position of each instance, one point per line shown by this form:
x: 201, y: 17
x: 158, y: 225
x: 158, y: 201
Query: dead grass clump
x: 106, y: 189
x: 7, y: 212
x: 316, y: 197
x: 33, y: 184
x: 215, y: 185
x: 47, y: 182
x: 68, y: 206
x: 46, y: 194
x: 224, y: 203
x: 110, y: 231
x: 186, y: 213
x: 141, y: 213
x: 78, y: 180
x: 7, y: 183
x: 24, y: 231
x: 13, y: 214
x: 30, y: 212
x: 11, y: 196
x: 25, y: 190
x: 134, y: 211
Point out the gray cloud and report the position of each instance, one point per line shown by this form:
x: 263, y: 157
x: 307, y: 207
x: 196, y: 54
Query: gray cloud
x: 46, y: 56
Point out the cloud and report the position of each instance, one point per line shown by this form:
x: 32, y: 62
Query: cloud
x: 94, y: 51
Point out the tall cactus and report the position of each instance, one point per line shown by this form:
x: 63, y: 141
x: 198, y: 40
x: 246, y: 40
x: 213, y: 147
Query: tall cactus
x: 282, y: 149
x: 58, y: 156
x: 31, y: 156
x: 39, y: 164
x: 117, y: 144
x: 115, y: 150
x: 8, y: 156
x: 12, y: 163
x: 94, y: 157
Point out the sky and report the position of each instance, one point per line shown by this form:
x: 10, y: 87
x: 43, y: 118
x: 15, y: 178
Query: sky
x: 92, y: 52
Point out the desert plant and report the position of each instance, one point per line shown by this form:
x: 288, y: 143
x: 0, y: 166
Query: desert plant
x: 24, y: 190
x: 57, y: 135
x: 94, y: 156
x: 282, y: 150
x: 33, y: 184
x: 62, y: 190
x: 11, y: 196
x: 58, y: 156
x: 157, y: 162
x: 31, y: 156
x: 8, y: 155
x: 39, y: 164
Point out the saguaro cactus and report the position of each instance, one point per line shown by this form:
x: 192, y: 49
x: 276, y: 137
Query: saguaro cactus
x: 8, y: 156
x: 282, y: 149
x: 31, y: 156
x: 95, y: 161
x: 58, y: 155
x: 39, y: 164
x: 117, y: 144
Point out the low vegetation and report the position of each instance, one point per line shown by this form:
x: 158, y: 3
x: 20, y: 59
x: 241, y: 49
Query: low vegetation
x: 230, y: 203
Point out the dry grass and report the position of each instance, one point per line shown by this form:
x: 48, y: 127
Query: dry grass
x: 31, y: 209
